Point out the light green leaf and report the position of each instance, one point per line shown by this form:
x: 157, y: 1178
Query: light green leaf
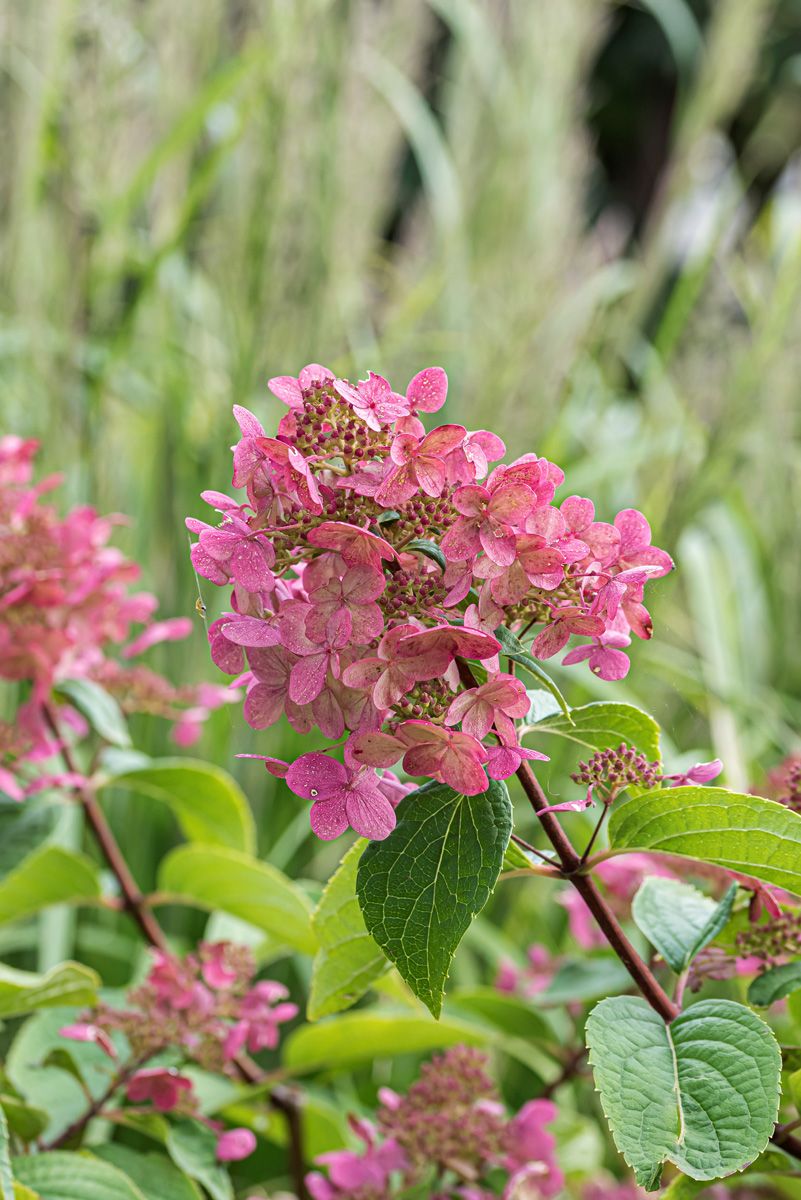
x: 259, y: 893
x: 515, y: 858
x: 702, y: 1092
x: 421, y: 887
x: 604, y: 724
x: 48, y: 876
x: 677, y: 919
x: 25, y: 1193
x: 363, y: 1036
x: 155, y: 1176
x: 63, y: 1175
x: 100, y: 709
x: 208, y: 804
x: 775, y: 984
x: 740, y: 832
x: 193, y: 1148
x: 6, y: 1178
x: 506, y: 1012
x: 348, y: 960
x: 22, y: 992
x: 513, y: 648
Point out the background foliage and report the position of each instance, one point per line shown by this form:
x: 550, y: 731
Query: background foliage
x: 588, y: 212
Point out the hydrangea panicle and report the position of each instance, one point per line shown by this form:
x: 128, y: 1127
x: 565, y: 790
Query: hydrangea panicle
x: 371, y: 561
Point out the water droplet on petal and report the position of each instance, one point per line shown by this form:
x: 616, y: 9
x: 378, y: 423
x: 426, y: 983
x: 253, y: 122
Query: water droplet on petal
x: 314, y: 791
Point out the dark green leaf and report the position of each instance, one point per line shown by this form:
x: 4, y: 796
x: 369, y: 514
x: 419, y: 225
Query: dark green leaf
x: 431, y: 550
x: 348, y: 960
x: 23, y: 828
x: 100, y: 709
x: 775, y: 984
x: 513, y: 648
x: 677, y: 919
x: 421, y: 887
x: 24, y: 1120
x: 702, y: 1092
x: 733, y: 830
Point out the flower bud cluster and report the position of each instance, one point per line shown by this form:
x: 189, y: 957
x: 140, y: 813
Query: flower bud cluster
x: 451, y: 1126
x: 611, y: 771
x: 65, y: 600
x: 370, y: 562
x: 203, y: 1009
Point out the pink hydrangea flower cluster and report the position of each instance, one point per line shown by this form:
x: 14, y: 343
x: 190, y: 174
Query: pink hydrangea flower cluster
x: 371, y: 560
x: 203, y: 1009
x: 450, y: 1126
x: 65, y: 599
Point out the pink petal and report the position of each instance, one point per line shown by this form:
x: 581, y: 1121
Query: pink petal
x: 430, y: 474
x: 316, y: 774
x: 235, y: 1144
x: 251, y: 631
x: 512, y: 502
x: 551, y: 640
x: 471, y: 500
x: 442, y: 439
x: 328, y: 817
x: 287, y: 389
x: 307, y: 678
x: 428, y: 390
x: 370, y: 813
x: 263, y: 706
x: 376, y: 749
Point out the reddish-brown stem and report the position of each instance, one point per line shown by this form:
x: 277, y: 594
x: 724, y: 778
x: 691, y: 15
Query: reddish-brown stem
x: 136, y: 905
x: 608, y: 923
x: 73, y: 1132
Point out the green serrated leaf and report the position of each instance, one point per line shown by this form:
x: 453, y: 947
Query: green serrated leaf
x: 421, y: 887
x: 48, y: 876
x: 604, y: 724
x: 740, y: 832
x: 209, y: 805
x: 22, y: 992
x: 155, y: 1176
x: 515, y: 858
x: 100, y: 709
x: 193, y: 1148
x: 64, y: 1175
x: 702, y: 1092
x: 210, y: 877
x: 775, y: 984
x: 348, y: 960
x: 513, y: 648
x: 678, y: 919
x: 431, y: 550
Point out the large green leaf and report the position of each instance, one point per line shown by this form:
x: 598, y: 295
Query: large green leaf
x: 586, y: 979
x: 22, y: 992
x: 26, y: 1121
x: 48, y: 876
x: 211, y: 877
x: 741, y: 832
x: 604, y: 724
x: 422, y: 886
x: 63, y: 1175
x: 702, y: 1092
x: 360, y: 1037
x: 513, y: 648
x: 155, y: 1176
x: 100, y: 709
x: 677, y: 919
x: 208, y: 804
x: 348, y: 960
x: 775, y: 984
x: 193, y: 1148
